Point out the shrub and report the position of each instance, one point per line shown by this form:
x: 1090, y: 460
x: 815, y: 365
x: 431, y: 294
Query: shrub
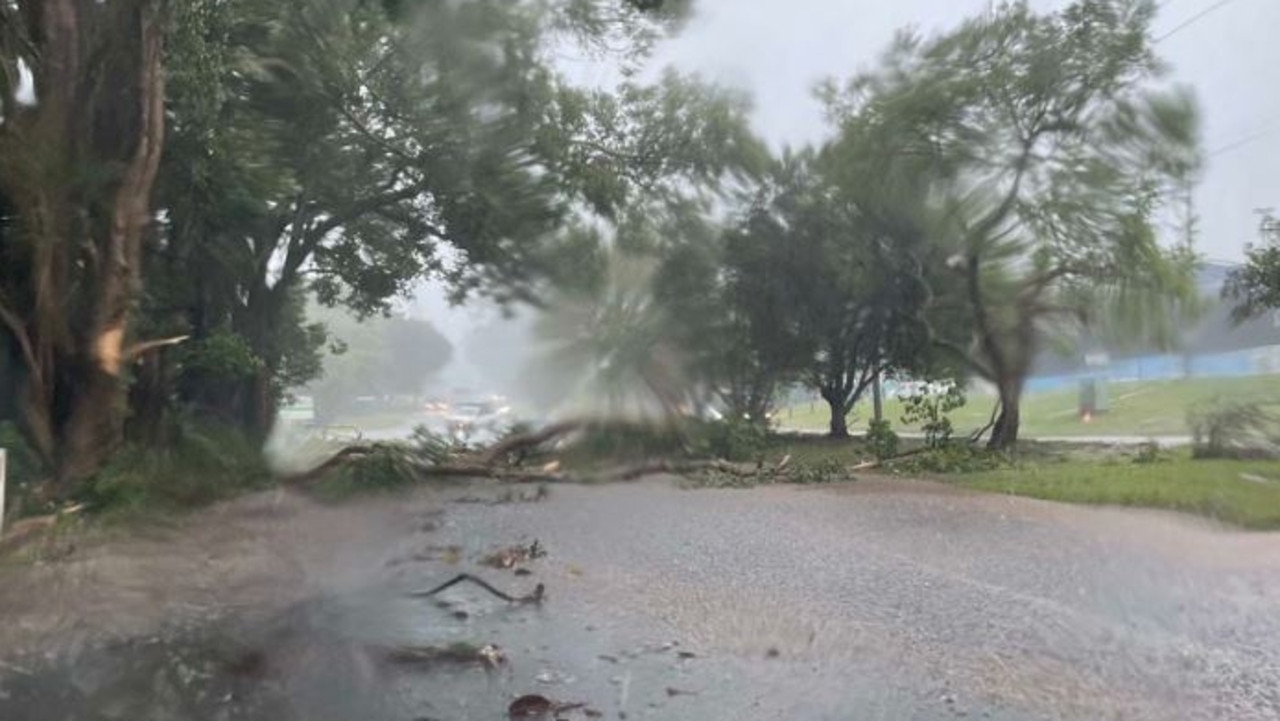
x: 23, y: 470
x: 881, y: 440
x: 1149, y: 452
x: 930, y: 410
x: 733, y: 439
x: 952, y: 458
x: 826, y: 470
x: 206, y: 462
x: 1231, y: 429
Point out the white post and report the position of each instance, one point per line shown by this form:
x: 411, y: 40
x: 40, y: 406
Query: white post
x: 2, y: 489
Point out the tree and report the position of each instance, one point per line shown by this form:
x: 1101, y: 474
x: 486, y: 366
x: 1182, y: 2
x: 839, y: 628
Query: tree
x: 1044, y: 147
x: 611, y: 337
x: 847, y: 294
x: 349, y: 149
x: 1255, y: 287
x: 79, y: 153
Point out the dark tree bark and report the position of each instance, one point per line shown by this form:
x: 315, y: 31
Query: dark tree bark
x: 99, y: 88
x: 1004, y: 434
x: 838, y: 427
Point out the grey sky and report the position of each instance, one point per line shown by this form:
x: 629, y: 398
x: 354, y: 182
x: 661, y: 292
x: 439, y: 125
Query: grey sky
x: 778, y: 51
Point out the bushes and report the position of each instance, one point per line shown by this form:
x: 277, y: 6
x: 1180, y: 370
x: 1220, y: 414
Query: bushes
x: 881, y: 440
x: 388, y: 466
x: 1232, y: 429
x: 930, y: 410
x: 205, y: 463
x: 22, y: 470
x: 951, y: 458
x: 732, y: 439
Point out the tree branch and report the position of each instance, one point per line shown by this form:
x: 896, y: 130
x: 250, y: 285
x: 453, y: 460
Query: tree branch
x: 300, y: 252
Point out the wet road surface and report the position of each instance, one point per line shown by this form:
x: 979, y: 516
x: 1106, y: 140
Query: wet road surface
x: 873, y: 600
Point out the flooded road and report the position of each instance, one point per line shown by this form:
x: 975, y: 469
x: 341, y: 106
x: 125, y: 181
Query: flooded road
x: 873, y: 600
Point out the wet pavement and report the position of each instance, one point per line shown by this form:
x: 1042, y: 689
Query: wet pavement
x: 873, y: 600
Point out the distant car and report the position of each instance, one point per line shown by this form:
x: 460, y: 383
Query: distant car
x: 478, y: 418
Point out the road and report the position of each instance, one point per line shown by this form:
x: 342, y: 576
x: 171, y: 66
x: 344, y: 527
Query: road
x: 870, y: 600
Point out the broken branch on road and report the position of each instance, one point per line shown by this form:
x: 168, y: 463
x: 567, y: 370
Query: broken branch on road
x: 536, y: 596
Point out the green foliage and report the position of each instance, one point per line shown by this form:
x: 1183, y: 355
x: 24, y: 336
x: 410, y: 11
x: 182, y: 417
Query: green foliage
x: 1044, y: 144
x: 388, y: 467
x: 930, y: 410
x: 881, y: 440
x: 1245, y: 493
x: 222, y: 356
x: 1226, y: 428
x: 1150, y: 452
x: 23, y: 470
x: 957, y: 458
x: 839, y: 297
x: 825, y: 470
x: 731, y: 439
x: 1255, y: 287
x: 205, y: 463
x: 614, y: 442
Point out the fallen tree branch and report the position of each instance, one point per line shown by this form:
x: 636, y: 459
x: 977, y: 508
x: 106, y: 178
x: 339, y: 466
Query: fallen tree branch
x: 30, y: 529
x: 676, y: 468
x: 535, y: 597
x: 527, y: 441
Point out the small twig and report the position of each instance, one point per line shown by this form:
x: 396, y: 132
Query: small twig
x: 534, y: 597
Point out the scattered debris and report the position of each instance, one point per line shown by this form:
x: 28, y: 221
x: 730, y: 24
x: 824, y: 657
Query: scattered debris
x: 523, y: 572
x: 489, y: 655
x: 671, y: 692
x: 551, y: 677
x: 515, y: 556
x: 685, y: 655
x: 607, y: 657
x: 533, y: 706
x: 535, y: 597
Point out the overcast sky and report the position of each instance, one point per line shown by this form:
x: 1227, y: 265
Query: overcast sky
x: 779, y: 50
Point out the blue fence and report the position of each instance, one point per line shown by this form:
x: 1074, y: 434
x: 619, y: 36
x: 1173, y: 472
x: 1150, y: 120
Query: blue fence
x: 1249, y: 362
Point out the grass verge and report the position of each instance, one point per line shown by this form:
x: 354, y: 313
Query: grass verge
x: 1242, y: 493
x: 1138, y: 409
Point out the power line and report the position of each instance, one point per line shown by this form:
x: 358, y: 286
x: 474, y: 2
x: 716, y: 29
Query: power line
x: 1194, y: 19
x: 1268, y: 129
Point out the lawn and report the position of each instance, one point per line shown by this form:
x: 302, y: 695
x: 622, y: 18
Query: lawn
x: 1243, y: 493
x: 1139, y: 408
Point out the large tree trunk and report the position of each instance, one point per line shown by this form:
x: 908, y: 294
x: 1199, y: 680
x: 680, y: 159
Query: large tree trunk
x: 1004, y: 434
x: 839, y: 425
x: 99, y: 90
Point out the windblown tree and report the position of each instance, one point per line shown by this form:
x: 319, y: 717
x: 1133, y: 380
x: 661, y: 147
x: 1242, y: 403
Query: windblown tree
x: 1255, y: 287
x: 731, y: 326
x: 81, y: 132
x: 352, y: 156
x: 1045, y: 144
x: 327, y: 147
x: 849, y: 295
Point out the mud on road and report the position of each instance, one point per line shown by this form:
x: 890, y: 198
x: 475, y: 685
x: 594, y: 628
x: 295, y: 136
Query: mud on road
x: 872, y: 600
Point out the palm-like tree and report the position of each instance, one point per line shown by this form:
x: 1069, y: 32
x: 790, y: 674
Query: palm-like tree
x: 613, y: 338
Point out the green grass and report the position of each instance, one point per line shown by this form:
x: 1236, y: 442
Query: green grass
x: 1243, y: 493
x: 1140, y: 408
